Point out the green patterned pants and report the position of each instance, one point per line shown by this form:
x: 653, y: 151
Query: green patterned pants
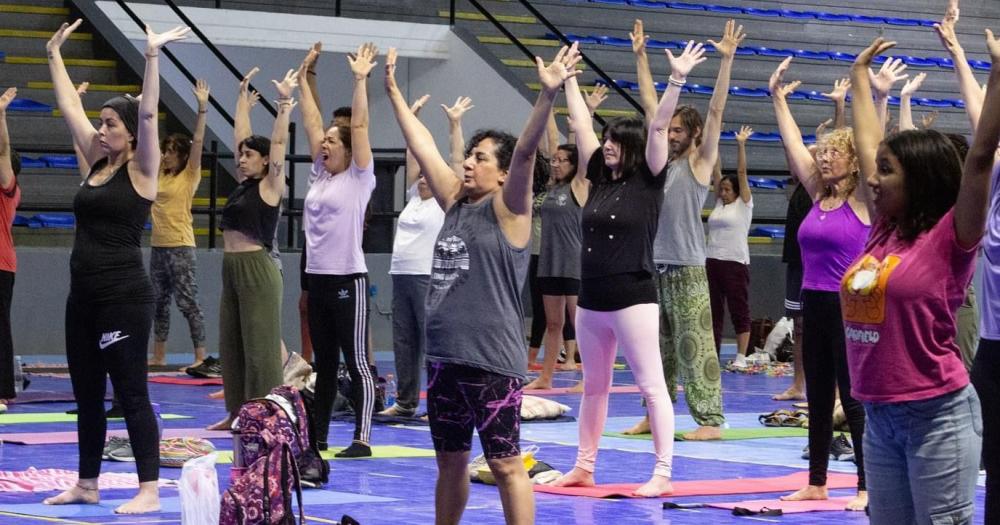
x: 687, y: 344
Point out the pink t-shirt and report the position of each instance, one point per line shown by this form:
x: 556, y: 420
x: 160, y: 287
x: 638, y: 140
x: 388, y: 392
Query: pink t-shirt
x: 9, y: 200
x: 899, y: 302
x: 335, y: 218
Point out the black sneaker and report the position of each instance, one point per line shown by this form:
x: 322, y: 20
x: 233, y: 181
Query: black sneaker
x: 356, y: 450
x: 841, y: 449
x: 209, y: 368
x: 115, y: 411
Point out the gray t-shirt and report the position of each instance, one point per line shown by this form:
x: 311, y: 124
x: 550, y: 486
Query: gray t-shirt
x: 561, y: 234
x: 474, y: 315
x: 680, y: 236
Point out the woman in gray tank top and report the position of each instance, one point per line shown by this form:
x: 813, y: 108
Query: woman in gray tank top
x: 474, y: 321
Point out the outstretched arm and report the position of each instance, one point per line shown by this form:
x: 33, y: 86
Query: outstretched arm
x: 201, y: 93
x: 657, y: 141
x: 708, y: 152
x: 973, y: 195
x: 881, y: 84
x: 741, y: 162
x: 419, y: 141
x: 273, y: 185
x: 85, y: 137
x: 867, y: 127
x: 412, y: 166
x: 362, y: 64
x: 800, y: 162
x: 581, y: 123
x: 647, y: 89
x: 905, y: 108
x: 81, y: 159
x: 242, y: 128
x: 455, y: 136
x: 147, y: 148
x: 312, y: 117
x: 839, y: 97
x: 967, y: 84
x: 6, y: 168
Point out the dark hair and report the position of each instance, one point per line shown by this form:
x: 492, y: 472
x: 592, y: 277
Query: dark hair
x: 15, y: 161
x: 692, y: 122
x: 573, y: 156
x: 541, y: 175
x: 503, y: 141
x: 260, y: 144
x: 733, y: 181
x: 344, y: 132
x: 180, y: 143
x: 127, y: 109
x: 342, y: 112
x: 961, y: 145
x: 932, y: 174
x: 630, y: 134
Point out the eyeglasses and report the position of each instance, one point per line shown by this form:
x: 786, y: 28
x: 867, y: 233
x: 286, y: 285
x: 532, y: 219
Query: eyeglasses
x: 557, y: 160
x: 830, y: 153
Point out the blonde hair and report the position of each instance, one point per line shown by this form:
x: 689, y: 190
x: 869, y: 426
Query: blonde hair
x: 842, y: 140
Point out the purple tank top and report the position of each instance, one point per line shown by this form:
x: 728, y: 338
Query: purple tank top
x: 830, y: 241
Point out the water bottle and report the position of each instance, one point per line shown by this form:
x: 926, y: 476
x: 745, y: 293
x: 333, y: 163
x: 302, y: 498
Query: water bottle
x: 159, y: 420
x: 390, y: 390
x: 18, y: 375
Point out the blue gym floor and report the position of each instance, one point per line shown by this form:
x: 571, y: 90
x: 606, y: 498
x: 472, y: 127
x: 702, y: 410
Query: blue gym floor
x: 404, y: 487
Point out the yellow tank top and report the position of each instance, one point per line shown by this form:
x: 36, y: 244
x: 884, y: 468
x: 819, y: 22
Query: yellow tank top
x: 172, y: 221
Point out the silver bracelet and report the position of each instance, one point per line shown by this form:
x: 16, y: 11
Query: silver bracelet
x: 674, y: 81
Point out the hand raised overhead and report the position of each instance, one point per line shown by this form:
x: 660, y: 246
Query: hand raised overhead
x: 681, y: 66
x: 562, y: 67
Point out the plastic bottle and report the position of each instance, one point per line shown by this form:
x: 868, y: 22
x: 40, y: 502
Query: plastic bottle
x: 159, y: 420
x: 390, y: 390
x: 18, y: 375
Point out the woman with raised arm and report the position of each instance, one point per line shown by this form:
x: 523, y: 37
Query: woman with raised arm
x: 621, y: 201
x: 341, y: 183
x: 830, y: 237
x: 109, y: 310
x: 924, y: 425
x: 475, y: 340
x: 727, y: 261
x: 10, y: 197
x: 172, y: 262
x: 250, y: 307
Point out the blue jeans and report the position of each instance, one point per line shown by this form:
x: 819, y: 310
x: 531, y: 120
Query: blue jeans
x: 408, y: 293
x: 922, y: 459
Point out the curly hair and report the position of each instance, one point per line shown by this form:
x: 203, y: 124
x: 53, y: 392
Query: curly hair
x: 842, y: 140
x: 932, y: 174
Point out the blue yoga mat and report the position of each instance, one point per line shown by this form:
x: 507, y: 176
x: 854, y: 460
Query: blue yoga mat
x: 173, y: 505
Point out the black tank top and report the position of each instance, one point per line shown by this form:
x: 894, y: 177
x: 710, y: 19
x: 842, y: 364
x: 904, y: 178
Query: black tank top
x: 247, y: 213
x: 106, y: 263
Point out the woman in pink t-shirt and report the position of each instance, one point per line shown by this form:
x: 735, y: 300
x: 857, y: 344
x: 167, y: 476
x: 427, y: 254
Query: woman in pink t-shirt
x: 899, y: 298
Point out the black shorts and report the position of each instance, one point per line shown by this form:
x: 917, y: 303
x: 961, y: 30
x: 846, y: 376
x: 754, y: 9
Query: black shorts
x: 558, y: 286
x: 793, y: 290
x: 461, y: 399
x: 303, y: 279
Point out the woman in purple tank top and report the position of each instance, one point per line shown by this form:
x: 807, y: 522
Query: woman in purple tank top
x: 830, y: 237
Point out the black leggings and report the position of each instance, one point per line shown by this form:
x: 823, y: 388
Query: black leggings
x: 986, y: 378
x: 824, y: 359
x: 6, y: 341
x: 338, y: 322
x: 111, y: 340
x: 538, y: 310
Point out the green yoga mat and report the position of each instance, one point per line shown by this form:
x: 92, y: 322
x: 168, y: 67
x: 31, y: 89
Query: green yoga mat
x: 730, y: 434
x: 58, y: 417
x: 378, y: 452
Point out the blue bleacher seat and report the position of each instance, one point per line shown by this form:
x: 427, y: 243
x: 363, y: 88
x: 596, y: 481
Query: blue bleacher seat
x: 809, y: 139
x: 646, y: 3
x: 762, y: 182
x: 901, y: 21
x: 60, y: 161
x: 893, y: 101
x: 958, y: 103
x: 833, y: 17
x: 3, y: 55
x: 918, y: 61
x: 774, y: 232
x: 763, y: 136
x: 865, y: 19
x: 685, y: 5
x: 927, y: 23
x: 770, y: 52
x: 728, y: 135
x: 20, y: 220
x: 743, y: 50
x: 933, y: 102
x: 946, y: 63
x: 761, y: 12
x: 660, y: 44
x: 797, y: 95
x: 816, y: 95
x: 31, y: 162
x: 614, y: 41
x: 879, y: 60
x: 701, y: 90
x: 582, y: 39
x: 737, y: 91
x: 980, y: 64
x: 843, y: 57
x: 23, y: 104
x: 798, y: 15
x: 813, y: 55
x: 723, y: 9
x: 614, y: 2
x: 52, y: 220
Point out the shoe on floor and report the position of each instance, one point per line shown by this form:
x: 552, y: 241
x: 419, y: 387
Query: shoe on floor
x: 114, y: 412
x: 356, y: 450
x: 209, y: 368
x: 114, y: 443
x: 397, y: 411
x: 841, y: 449
x: 805, y: 452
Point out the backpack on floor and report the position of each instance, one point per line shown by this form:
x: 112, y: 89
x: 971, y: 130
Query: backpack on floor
x: 263, y: 494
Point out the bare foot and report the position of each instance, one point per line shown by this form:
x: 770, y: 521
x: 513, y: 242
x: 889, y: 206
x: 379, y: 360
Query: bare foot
x: 221, y: 394
x: 810, y: 492
x: 656, y: 486
x: 225, y: 424
x: 859, y: 502
x: 704, y: 434
x: 641, y: 427
x: 792, y: 394
x: 538, y: 384
x: 577, y: 388
x: 575, y: 478
x: 76, y: 494
x: 158, y: 362
x: 147, y: 500
x: 569, y: 367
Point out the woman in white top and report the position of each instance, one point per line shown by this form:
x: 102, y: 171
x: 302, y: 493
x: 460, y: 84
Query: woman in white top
x: 727, y: 262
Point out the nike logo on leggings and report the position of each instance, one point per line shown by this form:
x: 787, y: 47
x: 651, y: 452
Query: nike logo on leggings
x: 110, y: 338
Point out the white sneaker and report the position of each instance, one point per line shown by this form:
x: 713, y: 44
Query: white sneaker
x: 739, y: 362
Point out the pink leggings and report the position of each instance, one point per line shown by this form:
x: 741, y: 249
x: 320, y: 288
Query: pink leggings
x: 636, y: 330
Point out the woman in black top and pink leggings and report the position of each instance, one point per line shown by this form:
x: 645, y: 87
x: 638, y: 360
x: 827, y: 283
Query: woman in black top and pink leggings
x: 109, y: 310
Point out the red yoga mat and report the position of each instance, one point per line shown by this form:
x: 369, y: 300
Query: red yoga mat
x: 629, y: 389
x: 787, y: 507
x: 59, y: 438
x: 190, y: 381
x: 708, y: 487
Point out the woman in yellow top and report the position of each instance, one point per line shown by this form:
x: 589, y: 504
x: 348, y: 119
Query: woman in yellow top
x: 172, y: 264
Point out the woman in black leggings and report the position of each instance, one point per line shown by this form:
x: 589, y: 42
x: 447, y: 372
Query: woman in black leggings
x: 109, y: 310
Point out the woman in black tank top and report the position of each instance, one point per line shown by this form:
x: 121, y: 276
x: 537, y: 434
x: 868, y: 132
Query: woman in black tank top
x: 109, y: 311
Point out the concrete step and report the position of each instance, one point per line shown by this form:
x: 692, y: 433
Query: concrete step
x: 38, y: 18
x: 18, y: 69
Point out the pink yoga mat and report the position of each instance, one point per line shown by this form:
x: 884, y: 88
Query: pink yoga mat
x: 787, y: 507
x: 708, y: 487
x: 191, y: 381
x: 58, y: 438
x: 630, y: 389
